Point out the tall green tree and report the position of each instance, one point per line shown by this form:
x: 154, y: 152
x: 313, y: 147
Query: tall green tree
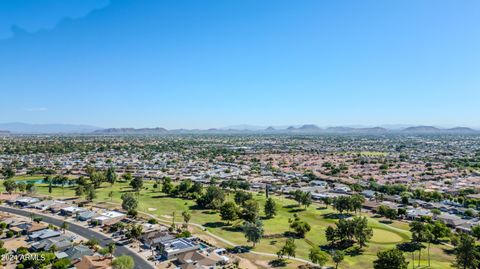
x: 318, y: 256
x: 288, y: 249
x: 229, y: 212
x: 270, y: 208
x: 337, y: 257
x: 250, y: 210
x: 111, y: 176
x: 388, y: 259
x: 167, y: 186
x: 129, y: 201
x: 253, y: 231
x: 137, y: 184
x: 466, y: 253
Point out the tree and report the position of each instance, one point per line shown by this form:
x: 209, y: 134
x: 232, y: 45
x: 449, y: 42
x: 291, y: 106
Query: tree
x: 64, y: 226
x: 229, y: 211
x: 270, y: 208
x: 250, y: 210
x: 79, y: 190
x: 184, y: 187
x: 129, y: 201
x: 440, y: 230
x: 8, y: 172
x: 10, y: 185
x: 111, y: 176
x: 331, y: 234
x: 62, y: 180
x: 476, y: 231
x: 241, y: 197
x: 302, y: 198
x: 357, y: 201
x: 167, y: 186
x: 123, y: 262
x: 253, y: 231
x: 318, y: 256
x: 288, y: 249
x: 91, y: 193
x: 186, y: 218
x: 127, y: 177
x: 337, y: 257
x: 135, y: 232
x: 418, y: 230
x: 300, y: 227
x: 97, y: 178
x: 21, y: 187
x: 350, y: 229
x: 213, y: 198
x: 465, y: 252
x: 30, y: 187
x: 111, y: 249
x: 436, y: 212
x: 136, y: 183
x: 392, y: 258
x: 61, y: 264
x: 410, y: 247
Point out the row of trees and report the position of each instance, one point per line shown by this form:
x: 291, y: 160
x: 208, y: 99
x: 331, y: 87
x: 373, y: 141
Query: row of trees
x: 349, y: 231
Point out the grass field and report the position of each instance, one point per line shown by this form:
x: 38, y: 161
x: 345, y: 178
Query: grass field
x: 385, y: 236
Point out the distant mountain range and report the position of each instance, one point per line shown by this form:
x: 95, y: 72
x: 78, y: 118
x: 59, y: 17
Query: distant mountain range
x: 24, y: 128
x: 303, y: 129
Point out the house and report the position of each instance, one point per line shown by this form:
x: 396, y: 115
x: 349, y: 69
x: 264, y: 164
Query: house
x: 60, y: 243
x: 29, y: 228
x: 175, y: 247
x: 197, y: 259
x: 77, y: 252
x: 319, y: 183
x: 57, y: 207
x: 85, y: 215
x: 341, y: 188
x: 71, y: 210
x: 154, y: 239
x: 368, y: 193
x: 26, y: 201
x: 451, y: 220
x: 93, y: 262
x: 108, y: 218
x: 43, y: 205
x: 43, y: 234
x: 415, y: 213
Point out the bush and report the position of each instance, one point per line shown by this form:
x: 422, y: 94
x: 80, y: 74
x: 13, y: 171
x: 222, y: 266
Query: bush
x: 10, y: 234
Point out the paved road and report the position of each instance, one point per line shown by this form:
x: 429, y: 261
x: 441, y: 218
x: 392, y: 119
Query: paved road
x: 140, y: 263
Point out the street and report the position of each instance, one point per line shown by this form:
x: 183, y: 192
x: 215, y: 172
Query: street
x: 140, y: 263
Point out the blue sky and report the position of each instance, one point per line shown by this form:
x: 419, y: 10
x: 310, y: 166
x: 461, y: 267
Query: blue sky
x: 202, y: 64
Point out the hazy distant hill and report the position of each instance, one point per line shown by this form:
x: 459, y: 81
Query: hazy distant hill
x: 463, y: 130
x: 421, y: 129
x: 26, y: 128
x: 309, y: 128
x: 120, y: 131
x: 435, y: 130
x: 3, y: 132
x: 270, y: 129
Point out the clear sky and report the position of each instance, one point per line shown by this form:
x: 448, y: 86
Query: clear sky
x: 202, y: 64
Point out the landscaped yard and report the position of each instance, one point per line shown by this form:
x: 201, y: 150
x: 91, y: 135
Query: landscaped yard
x: 385, y: 236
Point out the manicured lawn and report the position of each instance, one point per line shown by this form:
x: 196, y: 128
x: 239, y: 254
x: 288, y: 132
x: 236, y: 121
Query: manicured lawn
x: 385, y: 236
